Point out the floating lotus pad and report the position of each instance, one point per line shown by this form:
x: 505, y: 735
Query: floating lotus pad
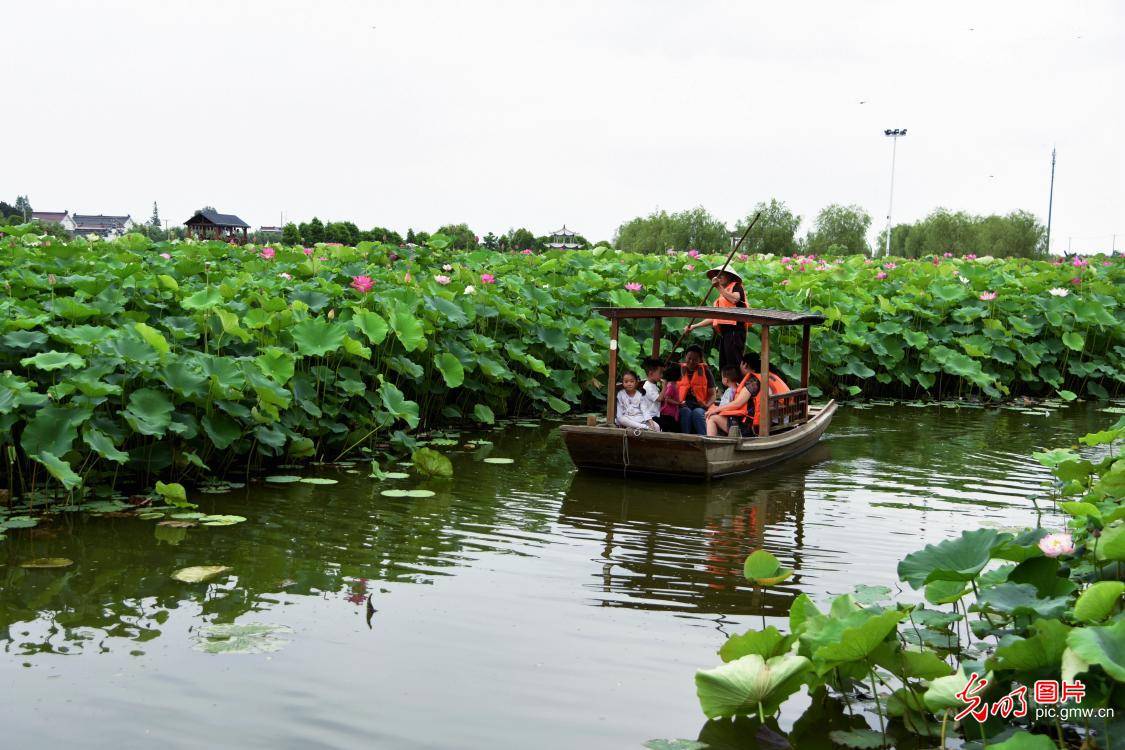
x: 283, y: 479
x: 319, y: 480
x: 499, y: 460
x: 443, y: 442
x: 395, y: 475
x: 407, y: 493
x: 188, y: 516
x: 221, y: 520
x: 200, y: 573
x: 47, y: 562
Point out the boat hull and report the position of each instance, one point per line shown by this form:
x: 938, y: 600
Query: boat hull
x: 615, y: 449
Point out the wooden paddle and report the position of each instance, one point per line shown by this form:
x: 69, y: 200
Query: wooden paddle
x: 712, y: 288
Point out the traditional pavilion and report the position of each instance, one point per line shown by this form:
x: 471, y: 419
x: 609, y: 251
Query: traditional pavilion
x: 211, y: 225
x: 564, y: 239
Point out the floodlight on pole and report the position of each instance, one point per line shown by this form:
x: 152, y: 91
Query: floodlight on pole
x: 894, y: 134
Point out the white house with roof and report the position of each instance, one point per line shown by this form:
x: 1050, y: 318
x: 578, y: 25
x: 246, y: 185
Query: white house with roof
x: 62, y: 218
x: 102, y: 225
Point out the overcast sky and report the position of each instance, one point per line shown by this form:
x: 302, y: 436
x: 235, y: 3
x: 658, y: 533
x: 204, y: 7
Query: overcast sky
x: 506, y: 114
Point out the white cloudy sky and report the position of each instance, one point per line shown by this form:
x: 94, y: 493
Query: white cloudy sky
x: 501, y: 114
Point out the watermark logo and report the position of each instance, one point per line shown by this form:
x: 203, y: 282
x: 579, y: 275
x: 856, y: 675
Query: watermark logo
x: 1047, y: 694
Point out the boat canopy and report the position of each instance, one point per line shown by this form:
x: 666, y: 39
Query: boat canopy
x: 749, y: 315
x: 765, y: 319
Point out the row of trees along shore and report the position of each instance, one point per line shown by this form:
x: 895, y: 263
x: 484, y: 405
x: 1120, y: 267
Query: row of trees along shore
x: 836, y: 230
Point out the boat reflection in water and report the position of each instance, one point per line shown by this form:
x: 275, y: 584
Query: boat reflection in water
x: 681, y: 547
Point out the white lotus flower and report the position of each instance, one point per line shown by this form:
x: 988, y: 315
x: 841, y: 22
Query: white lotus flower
x: 1058, y: 292
x: 447, y: 267
x: 470, y: 289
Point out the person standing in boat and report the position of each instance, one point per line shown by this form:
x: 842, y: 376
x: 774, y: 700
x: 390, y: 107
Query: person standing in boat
x: 731, y: 333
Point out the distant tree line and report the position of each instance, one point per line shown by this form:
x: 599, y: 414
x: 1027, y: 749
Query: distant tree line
x: 1016, y: 235
x: 836, y: 230
x: 463, y: 237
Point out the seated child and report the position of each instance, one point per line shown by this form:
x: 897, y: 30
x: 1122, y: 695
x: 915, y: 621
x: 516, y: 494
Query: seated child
x: 669, y: 417
x: 717, y: 422
x: 632, y: 407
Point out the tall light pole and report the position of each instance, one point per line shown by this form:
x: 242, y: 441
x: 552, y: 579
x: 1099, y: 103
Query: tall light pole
x: 1050, y: 200
x: 894, y: 135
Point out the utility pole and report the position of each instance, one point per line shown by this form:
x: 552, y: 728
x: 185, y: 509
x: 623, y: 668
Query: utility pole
x: 893, y: 134
x: 1050, y: 200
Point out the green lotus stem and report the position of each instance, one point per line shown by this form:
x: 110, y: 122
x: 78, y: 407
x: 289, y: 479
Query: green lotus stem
x: 944, y: 722
x: 878, y: 705
x: 761, y: 713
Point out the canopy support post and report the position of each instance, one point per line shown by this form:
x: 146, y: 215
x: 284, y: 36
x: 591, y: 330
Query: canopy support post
x: 805, y: 357
x: 764, y: 398
x: 611, y: 400
x: 657, y: 332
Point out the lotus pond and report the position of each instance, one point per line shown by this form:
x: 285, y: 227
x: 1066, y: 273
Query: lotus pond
x: 519, y: 605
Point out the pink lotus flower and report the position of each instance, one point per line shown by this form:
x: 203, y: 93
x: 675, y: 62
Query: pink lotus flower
x: 937, y: 261
x: 166, y: 256
x: 1106, y: 263
x: 689, y: 267
x: 1054, y: 545
x: 406, y: 277
x: 971, y: 256
x: 868, y: 262
x: 1076, y: 280
x: 487, y: 278
x: 947, y: 255
x: 669, y: 251
x: 285, y: 276
x: 307, y: 250
x: 441, y: 279
x: 743, y: 257
x: 268, y: 253
x: 786, y: 259
x: 322, y: 259
x: 362, y: 284
x: 1079, y: 263
x: 987, y: 296
x: 526, y: 251
x: 633, y: 286
x: 785, y: 282
x: 693, y: 253
x: 881, y: 275
x: 890, y: 266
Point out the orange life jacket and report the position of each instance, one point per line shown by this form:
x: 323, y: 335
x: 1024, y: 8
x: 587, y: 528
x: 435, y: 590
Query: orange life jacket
x: 777, y: 385
x: 724, y: 302
x: 696, y: 382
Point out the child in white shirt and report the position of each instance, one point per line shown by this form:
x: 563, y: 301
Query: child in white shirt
x: 632, y: 406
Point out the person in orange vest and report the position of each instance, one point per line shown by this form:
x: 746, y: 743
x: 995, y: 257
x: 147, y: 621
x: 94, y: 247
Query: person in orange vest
x: 732, y: 334
x: 744, y: 408
x: 696, y: 392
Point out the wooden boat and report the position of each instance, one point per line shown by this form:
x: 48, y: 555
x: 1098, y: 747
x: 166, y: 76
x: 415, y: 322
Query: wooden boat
x: 789, y: 425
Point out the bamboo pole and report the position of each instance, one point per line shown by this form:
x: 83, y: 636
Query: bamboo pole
x: 764, y: 398
x: 611, y: 401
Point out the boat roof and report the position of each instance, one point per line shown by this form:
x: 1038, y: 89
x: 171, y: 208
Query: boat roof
x: 749, y: 315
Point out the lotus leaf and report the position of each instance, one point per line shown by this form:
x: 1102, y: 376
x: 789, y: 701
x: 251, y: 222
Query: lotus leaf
x: 430, y: 463
x: 960, y: 559
x: 47, y: 562
x: 1099, y: 601
x: 763, y: 569
x: 497, y: 460
x: 200, y: 573
x: 749, y: 685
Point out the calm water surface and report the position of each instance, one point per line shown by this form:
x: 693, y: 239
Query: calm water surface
x: 523, y: 606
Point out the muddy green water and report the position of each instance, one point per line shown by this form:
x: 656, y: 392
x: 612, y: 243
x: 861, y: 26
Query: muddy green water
x: 523, y: 606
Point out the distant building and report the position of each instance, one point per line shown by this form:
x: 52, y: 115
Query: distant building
x: 269, y: 230
x: 61, y: 218
x: 103, y: 226
x: 564, y: 239
x: 212, y: 225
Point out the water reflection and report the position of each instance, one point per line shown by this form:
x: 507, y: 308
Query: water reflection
x: 681, y: 547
